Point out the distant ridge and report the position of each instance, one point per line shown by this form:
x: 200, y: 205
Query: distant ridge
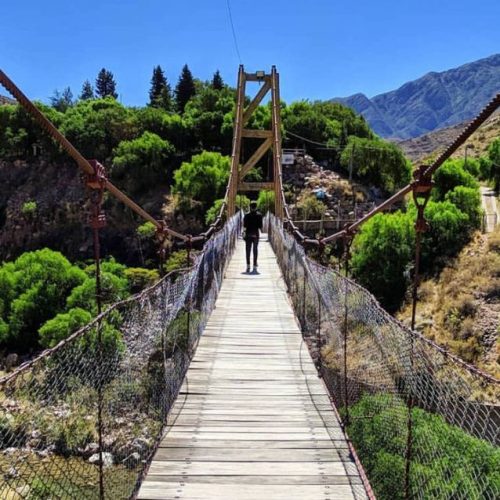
x: 433, y: 101
x: 6, y: 100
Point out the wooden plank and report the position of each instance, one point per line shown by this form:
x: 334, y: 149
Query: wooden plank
x: 245, y: 468
x: 204, y: 491
x: 256, y: 455
x: 274, y: 479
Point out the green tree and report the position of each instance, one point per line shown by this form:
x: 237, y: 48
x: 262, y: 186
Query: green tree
x: 377, y: 163
x: 447, y: 234
x: 265, y: 201
x: 19, y: 131
x: 450, y: 175
x: 96, y: 127
x: 382, y: 252
x: 494, y: 157
x: 87, y: 91
x: 322, y: 122
x: 160, y: 93
x: 39, y: 283
x: 142, y: 161
x: 468, y: 201
x: 185, y: 89
x: 105, y: 84
x: 206, y: 111
x: 217, y: 82
x: 62, y: 326
x: 203, y: 179
x: 62, y: 100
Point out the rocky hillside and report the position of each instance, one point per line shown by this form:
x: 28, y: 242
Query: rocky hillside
x: 433, y: 101
x: 434, y: 143
x: 460, y: 309
x: 45, y: 205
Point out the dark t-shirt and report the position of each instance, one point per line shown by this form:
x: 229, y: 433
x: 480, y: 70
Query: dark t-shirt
x: 252, y: 223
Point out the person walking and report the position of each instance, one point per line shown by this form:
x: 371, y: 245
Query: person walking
x: 252, y: 224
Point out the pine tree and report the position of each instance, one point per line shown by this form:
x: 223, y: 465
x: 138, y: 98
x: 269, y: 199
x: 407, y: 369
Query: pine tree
x: 105, y: 84
x: 87, y: 91
x: 217, y: 82
x: 160, y: 94
x: 62, y: 100
x: 185, y: 89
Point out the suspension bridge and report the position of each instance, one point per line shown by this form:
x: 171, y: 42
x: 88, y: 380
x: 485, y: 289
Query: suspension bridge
x: 224, y: 384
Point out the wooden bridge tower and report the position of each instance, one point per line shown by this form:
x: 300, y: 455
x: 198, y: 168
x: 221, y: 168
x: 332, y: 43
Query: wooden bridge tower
x: 271, y: 139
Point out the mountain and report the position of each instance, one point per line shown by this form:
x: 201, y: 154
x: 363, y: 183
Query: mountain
x: 434, y: 101
x: 421, y: 148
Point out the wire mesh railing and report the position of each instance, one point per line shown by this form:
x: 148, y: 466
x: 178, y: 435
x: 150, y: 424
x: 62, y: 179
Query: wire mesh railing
x: 374, y: 366
x: 129, y: 372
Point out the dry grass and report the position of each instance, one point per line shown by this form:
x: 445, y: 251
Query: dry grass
x: 461, y: 309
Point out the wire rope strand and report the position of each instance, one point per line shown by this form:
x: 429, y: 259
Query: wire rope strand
x: 235, y: 40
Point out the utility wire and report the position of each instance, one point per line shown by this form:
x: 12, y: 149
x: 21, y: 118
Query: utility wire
x: 333, y: 148
x: 233, y: 30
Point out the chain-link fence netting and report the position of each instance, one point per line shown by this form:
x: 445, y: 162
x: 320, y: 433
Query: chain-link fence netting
x: 83, y: 419
x: 424, y: 423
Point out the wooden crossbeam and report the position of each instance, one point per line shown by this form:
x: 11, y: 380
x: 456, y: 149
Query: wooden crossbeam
x: 256, y: 101
x: 255, y: 186
x: 259, y: 153
x: 257, y: 134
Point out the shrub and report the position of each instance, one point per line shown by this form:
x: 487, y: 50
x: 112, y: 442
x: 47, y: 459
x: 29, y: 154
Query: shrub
x: 178, y: 260
x: 446, y: 460
x: 382, y: 252
x: 265, y: 201
x: 146, y: 231
x: 204, y: 179
x: 450, y: 175
x: 33, y: 289
x: 29, y: 208
x: 63, y: 325
x: 377, y: 163
x: 311, y: 208
x: 468, y: 201
x: 140, y: 278
x: 142, y: 161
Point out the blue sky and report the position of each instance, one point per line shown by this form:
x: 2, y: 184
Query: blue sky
x: 322, y: 48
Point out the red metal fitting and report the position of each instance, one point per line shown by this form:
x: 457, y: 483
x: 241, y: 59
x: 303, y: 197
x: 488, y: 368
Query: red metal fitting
x: 422, y: 186
x: 98, y: 221
x: 98, y: 179
x: 97, y: 182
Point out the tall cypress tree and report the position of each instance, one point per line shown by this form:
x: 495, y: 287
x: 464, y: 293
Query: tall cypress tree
x: 185, y: 89
x: 105, y: 84
x: 217, y: 82
x: 160, y: 94
x: 87, y: 91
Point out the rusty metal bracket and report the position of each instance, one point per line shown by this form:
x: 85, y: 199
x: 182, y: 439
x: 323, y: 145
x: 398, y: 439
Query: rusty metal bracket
x: 97, y: 182
x: 421, y: 188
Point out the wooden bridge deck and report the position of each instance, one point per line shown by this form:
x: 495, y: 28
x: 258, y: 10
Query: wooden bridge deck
x: 252, y: 420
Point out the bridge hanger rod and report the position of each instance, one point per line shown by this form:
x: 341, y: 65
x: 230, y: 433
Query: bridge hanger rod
x: 427, y: 172
x: 81, y: 161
